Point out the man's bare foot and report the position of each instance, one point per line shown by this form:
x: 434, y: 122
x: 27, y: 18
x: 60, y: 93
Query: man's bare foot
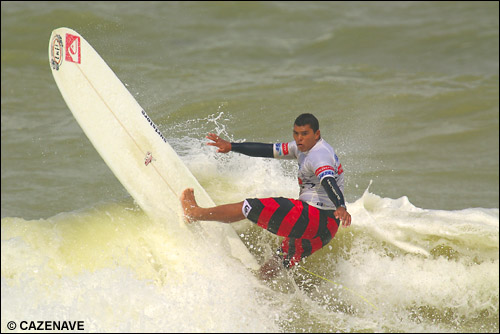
x: 189, y: 205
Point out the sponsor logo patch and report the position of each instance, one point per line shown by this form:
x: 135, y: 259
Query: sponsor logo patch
x: 246, y: 208
x: 277, y: 148
x: 323, y: 169
x: 73, y: 49
x: 285, y: 148
x: 281, y: 148
x: 340, y: 170
x: 56, y: 52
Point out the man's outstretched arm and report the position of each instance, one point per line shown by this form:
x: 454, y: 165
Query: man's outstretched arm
x: 251, y: 149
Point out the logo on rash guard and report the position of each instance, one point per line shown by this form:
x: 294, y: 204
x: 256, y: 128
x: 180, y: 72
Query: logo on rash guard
x: 281, y: 148
x: 284, y: 146
x: 324, y: 171
x: 340, y: 170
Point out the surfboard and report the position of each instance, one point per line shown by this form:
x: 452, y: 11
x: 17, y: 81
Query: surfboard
x: 127, y: 139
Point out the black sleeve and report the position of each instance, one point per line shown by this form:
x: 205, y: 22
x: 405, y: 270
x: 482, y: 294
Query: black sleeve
x: 254, y: 149
x: 333, y: 191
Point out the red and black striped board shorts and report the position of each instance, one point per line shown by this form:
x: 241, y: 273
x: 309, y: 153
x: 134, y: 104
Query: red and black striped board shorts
x: 306, y: 228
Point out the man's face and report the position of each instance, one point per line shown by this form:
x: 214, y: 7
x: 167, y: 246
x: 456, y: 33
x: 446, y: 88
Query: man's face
x: 305, y: 137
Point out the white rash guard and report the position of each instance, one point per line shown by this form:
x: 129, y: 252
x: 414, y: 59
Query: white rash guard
x: 314, y: 165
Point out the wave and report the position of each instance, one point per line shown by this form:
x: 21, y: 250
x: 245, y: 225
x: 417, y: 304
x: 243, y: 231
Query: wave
x: 397, y: 268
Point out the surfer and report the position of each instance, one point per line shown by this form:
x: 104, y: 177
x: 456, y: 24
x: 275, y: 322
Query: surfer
x: 307, y: 224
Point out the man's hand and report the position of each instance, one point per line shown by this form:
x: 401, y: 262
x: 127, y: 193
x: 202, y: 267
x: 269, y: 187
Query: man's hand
x: 344, y: 216
x: 223, y: 145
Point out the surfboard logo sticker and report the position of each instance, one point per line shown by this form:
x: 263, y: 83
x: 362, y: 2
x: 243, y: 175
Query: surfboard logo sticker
x: 149, y: 158
x: 73, y: 50
x: 56, y: 51
x: 157, y: 130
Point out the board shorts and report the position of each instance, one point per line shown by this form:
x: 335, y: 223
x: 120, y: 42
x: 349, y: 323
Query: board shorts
x: 306, y: 228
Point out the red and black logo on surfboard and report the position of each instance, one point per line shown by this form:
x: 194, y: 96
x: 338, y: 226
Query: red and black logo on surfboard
x: 73, y: 49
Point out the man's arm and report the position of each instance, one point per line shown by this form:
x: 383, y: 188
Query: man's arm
x: 254, y: 149
x: 336, y: 196
x: 251, y: 149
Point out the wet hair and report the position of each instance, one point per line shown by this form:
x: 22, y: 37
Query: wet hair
x: 307, y: 119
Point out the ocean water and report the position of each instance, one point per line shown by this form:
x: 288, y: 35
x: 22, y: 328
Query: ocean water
x: 406, y: 92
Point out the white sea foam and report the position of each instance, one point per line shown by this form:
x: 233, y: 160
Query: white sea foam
x: 113, y: 268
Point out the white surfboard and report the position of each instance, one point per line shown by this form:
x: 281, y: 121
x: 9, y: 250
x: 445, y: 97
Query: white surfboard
x: 124, y: 135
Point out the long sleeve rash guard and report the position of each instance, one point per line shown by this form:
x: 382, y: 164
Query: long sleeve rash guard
x: 320, y: 176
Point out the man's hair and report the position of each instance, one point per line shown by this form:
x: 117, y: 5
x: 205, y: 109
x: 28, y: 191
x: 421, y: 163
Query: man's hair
x: 307, y: 119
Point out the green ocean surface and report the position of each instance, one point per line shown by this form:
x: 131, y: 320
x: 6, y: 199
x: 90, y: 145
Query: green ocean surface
x: 406, y: 92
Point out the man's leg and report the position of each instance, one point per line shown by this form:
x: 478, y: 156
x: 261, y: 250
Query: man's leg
x: 227, y: 213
